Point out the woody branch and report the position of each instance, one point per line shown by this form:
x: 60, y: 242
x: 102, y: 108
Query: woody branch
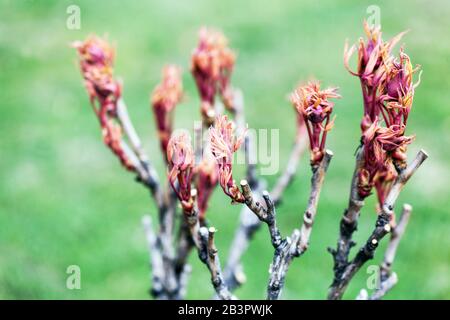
x: 388, y: 279
x: 298, y: 243
x: 180, y: 157
x: 349, y: 221
x: 203, y: 239
x: 249, y: 223
x: 96, y: 58
x: 387, y: 96
x: 382, y: 227
x: 288, y: 248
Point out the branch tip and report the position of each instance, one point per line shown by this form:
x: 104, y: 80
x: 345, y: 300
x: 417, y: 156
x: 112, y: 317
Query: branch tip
x: 211, y: 113
x: 423, y: 153
x: 212, y: 230
x: 407, y: 207
x: 244, y: 183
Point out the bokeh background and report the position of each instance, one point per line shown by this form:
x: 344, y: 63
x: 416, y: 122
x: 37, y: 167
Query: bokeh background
x: 65, y: 200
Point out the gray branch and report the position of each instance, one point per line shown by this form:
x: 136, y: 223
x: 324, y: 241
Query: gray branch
x: 384, y: 288
x: 209, y: 255
x: 156, y: 260
x: 283, y: 256
x: 146, y: 172
x: 203, y: 240
x: 266, y: 214
x: 249, y: 222
x: 388, y: 279
x: 311, y: 210
x: 382, y: 227
x: 286, y: 249
x: 396, y: 235
x: 297, y: 244
x: 349, y: 221
x: 233, y: 273
x: 165, y: 201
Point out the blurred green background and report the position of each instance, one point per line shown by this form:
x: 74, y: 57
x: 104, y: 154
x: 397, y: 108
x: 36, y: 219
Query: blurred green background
x: 65, y: 200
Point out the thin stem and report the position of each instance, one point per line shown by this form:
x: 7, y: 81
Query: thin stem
x: 213, y: 263
x: 382, y: 227
x: 282, y: 259
x: 389, y: 279
x: 397, y: 233
x: 349, y: 221
x: 252, y: 204
x: 164, y: 200
x: 286, y: 249
x: 203, y: 240
x: 248, y: 225
x: 148, y: 174
x: 311, y: 210
x: 156, y: 260
x: 402, y: 179
x: 297, y: 244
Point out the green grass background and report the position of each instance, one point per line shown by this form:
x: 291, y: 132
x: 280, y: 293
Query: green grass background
x: 65, y: 200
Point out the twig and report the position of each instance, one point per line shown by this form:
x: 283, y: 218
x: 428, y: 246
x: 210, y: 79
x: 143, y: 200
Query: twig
x: 286, y: 249
x: 397, y: 233
x: 349, y: 221
x: 183, y: 281
x: 265, y: 214
x: 402, y: 179
x: 384, y: 288
x: 185, y: 243
x: 298, y: 242
x: 311, y: 211
x: 389, y: 279
x: 164, y: 201
x: 208, y: 254
x: 156, y: 260
x: 203, y: 240
x: 192, y: 220
x: 148, y: 174
x: 249, y: 222
x: 382, y: 227
x: 248, y: 225
x: 251, y: 203
x: 282, y: 258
